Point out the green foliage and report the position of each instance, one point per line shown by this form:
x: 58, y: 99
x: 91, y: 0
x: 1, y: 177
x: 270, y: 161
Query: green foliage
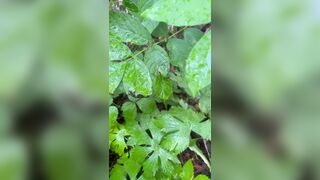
x: 159, y: 100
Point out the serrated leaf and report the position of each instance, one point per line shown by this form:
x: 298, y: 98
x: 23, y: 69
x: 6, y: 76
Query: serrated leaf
x: 187, y: 171
x: 178, y: 123
x: 137, y: 79
x: 198, y: 65
x: 178, y: 133
x: 157, y: 60
x: 126, y: 28
x: 180, y: 13
x: 116, y: 71
x: 118, y: 50
x: 129, y: 110
x: 117, y: 140
x: 162, y: 87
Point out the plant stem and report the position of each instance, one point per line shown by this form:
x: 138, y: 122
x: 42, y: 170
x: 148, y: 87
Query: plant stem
x: 135, y: 55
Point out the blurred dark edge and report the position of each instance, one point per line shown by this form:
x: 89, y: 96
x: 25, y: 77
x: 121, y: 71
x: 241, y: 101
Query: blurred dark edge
x: 53, y: 89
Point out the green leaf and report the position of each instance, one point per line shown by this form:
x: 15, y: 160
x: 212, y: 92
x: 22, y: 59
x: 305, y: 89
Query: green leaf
x: 132, y: 168
x: 180, y: 13
x: 187, y: 171
x: 138, y: 5
x: 137, y: 79
x: 113, y: 115
x: 129, y: 110
x: 198, y: 65
x: 157, y: 60
x: 118, y: 50
x: 179, y: 49
x: 178, y: 123
x: 201, y: 177
x: 117, y: 140
x: 126, y: 28
x: 194, y: 120
x: 149, y: 24
x: 147, y: 105
x: 160, y: 160
x: 116, y: 71
x: 205, y: 100
x: 117, y: 173
x: 162, y: 87
x: 178, y: 136
x: 161, y: 30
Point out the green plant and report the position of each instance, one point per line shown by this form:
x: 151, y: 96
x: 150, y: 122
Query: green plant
x: 160, y: 86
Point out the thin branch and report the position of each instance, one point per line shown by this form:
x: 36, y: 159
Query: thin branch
x: 135, y: 55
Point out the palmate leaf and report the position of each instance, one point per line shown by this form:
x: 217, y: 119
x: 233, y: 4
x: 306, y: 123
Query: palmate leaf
x: 198, y: 65
x: 179, y: 123
x: 180, y: 13
x: 126, y: 28
x: 137, y: 79
x: 116, y: 71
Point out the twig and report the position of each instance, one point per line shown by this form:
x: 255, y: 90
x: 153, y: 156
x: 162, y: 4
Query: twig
x: 206, y: 147
x: 135, y: 55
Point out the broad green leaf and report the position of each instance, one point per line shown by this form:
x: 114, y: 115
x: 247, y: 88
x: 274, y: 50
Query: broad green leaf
x: 117, y: 173
x: 129, y: 110
x: 118, y: 50
x: 187, y: 171
x: 205, y: 99
x: 179, y: 49
x: 161, y: 30
x: 180, y: 13
x: 149, y: 24
x: 126, y: 28
x: 162, y: 87
x: 147, y: 105
x: 157, y: 60
x: 137, y: 79
x: 138, y: 6
x: 201, y: 177
x: 198, y: 65
x: 116, y: 71
x: 113, y: 115
x: 192, y: 35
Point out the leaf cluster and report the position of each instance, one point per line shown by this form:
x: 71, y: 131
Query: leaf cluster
x: 159, y: 86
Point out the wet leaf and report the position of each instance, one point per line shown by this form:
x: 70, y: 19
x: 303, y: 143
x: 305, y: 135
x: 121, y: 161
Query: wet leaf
x: 180, y: 13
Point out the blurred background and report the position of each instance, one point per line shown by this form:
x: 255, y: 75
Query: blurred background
x: 53, y: 86
x: 266, y: 93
